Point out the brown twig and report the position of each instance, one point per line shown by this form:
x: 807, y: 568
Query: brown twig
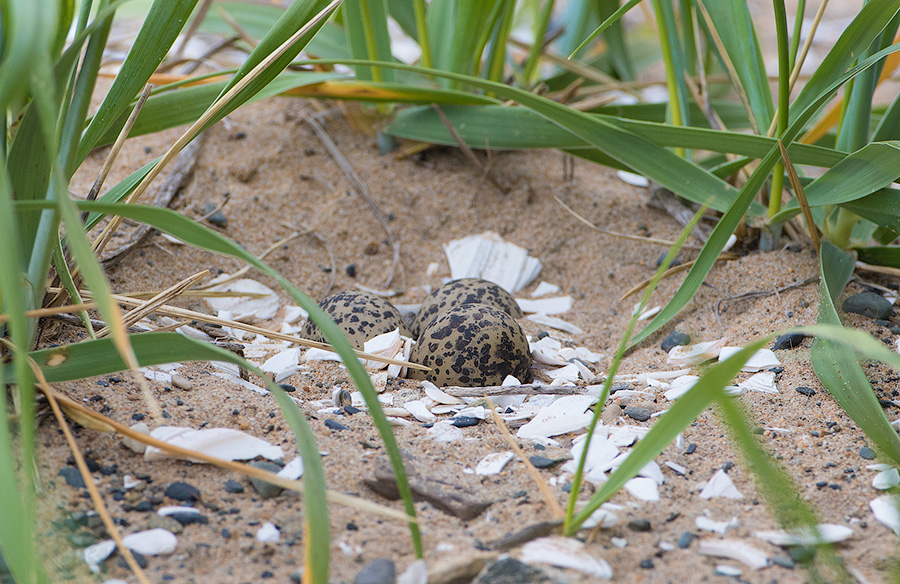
x: 762, y: 294
x: 486, y: 170
x: 801, y: 196
x: 724, y: 257
x: 526, y: 389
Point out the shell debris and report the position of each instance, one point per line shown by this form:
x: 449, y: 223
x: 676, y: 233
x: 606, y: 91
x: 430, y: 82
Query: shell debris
x: 734, y: 549
x: 706, y: 524
x: 224, y: 443
x: 556, y: 305
x: 822, y: 533
x: 720, y: 485
x: 493, y: 463
x: 886, y: 511
x: 687, y: 355
x: 566, y: 414
x: 545, y: 289
x: 263, y: 308
x: 762, y: 359
x: 488, y: 256
x: 564, y: 552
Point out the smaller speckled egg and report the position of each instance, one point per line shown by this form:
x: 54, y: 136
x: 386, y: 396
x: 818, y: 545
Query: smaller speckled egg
x: 360, y: 315
x: 464, y: 291
x: 472, y: 345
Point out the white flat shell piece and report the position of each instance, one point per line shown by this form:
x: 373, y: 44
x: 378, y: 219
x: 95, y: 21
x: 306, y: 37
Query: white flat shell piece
x: 96, y: 553
x: 489, y: 257
x: 294, y: 313
x: 416, y: 573
x: 153, y: 375
x: 885, y: 509
x: 604, y: 517
x: 726, y: 570
x: 676, y: 467
x: 619, y: 542
x: 568, y: 373
x: 633, y: 179
x: 705, y: 523
x: 173, y: 509
x: 444, y: 432
x: 734, y: 549
x: 586, y: 354
x: 546, y: 352
x: 313, y: 354
x: 555, y: 323
x: 545, y: 288
x: 477, y: 412
x: 564, y: 552
x: 762, y: 359
x: 564, y: 415
x: 694, y: 354
x: 600, y: 454
x: 763, y: 382
x: 385, y: 345
x: 493, y: 463
x: 886, y: 479
x: 152, y: 542
x: 643, y: 488
x: 223, y: 443
x: 268, y: 533
x: 556, y: 305
x: 720, y: 485
x: 282, y: 365
x: 262, y: 308
x: 439, y: 395
x: 510, y: 381
x: 292, y: 470
x: 680, y: 386
x: 418, y: 409
x: 823, y: 533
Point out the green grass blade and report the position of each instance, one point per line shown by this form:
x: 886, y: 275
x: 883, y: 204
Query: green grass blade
x: 367, y: 35
x: 161, y: 26
x: 879, y: 255
x: 838, y: 369
x: 613, y: 18
x: 673, y: 58
x: 881, y: 207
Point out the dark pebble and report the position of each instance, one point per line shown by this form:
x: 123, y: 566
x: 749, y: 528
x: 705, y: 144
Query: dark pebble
x: 232, y: 486
x: 639, y: 525
x: 788, y: 341
x: 267, y: 574
x: 218, y: 219
x: 287, y: 387
x: 662, y: 257
x: 351, y: 270
x: 807, y: 391
x: 511, y: 571
x: 691, y: 448
x: 675, y: 339
x: 351, y: 410
x: 867, y: 453
x: 685, y: 540
x: 183, y: 492
x: 869, y: 304
x: 139, y: 558
x: 138, y: 417
x: 801, y: 554
x: 335, y: 425
x: 81, y: 539
x: 542, y: 461
x: 143, y: 507
x: 109, y: 469
x: 886, y: 403
x: 637, y: 413
x: 296, y: 577
x: 380, y: 571
x: 265, y: 489
x: 727, y: 466
x: 882, y: 322
x: 647, y: 564
x: 73, y: 477
x: 464, y: 421
x: 188, y: 518
x: 783, y: 561
x: 226, y: 533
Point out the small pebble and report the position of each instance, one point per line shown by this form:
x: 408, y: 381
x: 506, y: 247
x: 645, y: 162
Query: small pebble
x: 867, y: 453
x: 181, y: 491
x: 138, y: 557
x: 287, y: 387
x: 675, y: 339
x: 218, y: 219
x: 647, y: 564
x: 350, y: 410
x: 265, y: 489
x: 232, y: 486
x: 335, y: 425
x: 167, y: 522
x: 685, y: 540
x: 380, y: 571
x: 801, y: 554
x: 509, y: 570
x: 73, y: 477
x: 640, y: 525
x: 691, y: 448
x: 188, y: 518
x: 637, y: 413
x: 182, y: 382
x: 464, y: 421
x: 788, y: 341
x: 869, y: 304
x: 807, y: 391
x: 542, y: 461
x: 351, y: 270
x: 81, y: 539
x: 783, y: 561
x: 662, y: 257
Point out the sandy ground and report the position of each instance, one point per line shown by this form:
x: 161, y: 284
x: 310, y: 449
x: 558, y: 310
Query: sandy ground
x: 280, y: 179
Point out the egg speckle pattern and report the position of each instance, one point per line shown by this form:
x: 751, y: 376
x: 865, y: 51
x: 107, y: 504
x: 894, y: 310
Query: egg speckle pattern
x: 360, y: 315
x: 464, y: 291
x: 472, y: 345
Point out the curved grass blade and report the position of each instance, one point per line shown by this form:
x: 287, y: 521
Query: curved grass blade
x: 879, y: 255
x: 838, y: 369
x: 200, y: 236
x: 613, y: 18
x: 365, y: 22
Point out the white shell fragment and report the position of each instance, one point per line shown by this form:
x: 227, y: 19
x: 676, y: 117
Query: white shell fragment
x: 734, y: 549
x: 564, y: 552
x: 567, y: 414
x: 726, y: 570
x: 823, y: 533
x: 282, y: 365
x: 720, y: 485
x: 694, y: 354
x: 633, y: 179
x: 886, y: 479
x: 415, y: 573
x: 292, y: 470
x: 384, y: 345
x: 420, y: 411
x: 643, y: 488
x: 96, y: 553
x: 262, y: 308
x: 442, y: 397
x: 445, y: 432
x: 545, y: 288
x: 604, y: 517
x: 762, y: 359
x: 555, y: 323
x: 152, y: 542
x: 268, y: 533
x: 294, y: 313
x: 493, y: 463
x: 885, y: 509
x: 223, y: 443
x: 676, y: 467
x: 707, y: 524
x: 489, y: 257
x: 180, y: 509
x: 556, y: 305
x: 763, y: 382
x: 680, y: 386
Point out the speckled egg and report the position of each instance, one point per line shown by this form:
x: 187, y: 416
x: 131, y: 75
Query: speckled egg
x: 360, y: 315
x: 472, y: 345
x: 464, y: 291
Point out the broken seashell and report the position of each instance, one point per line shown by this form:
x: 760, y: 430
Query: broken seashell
x: 292, y: 470
x: 493, y: 463
x: 567, y: 414
x: 556, y: 323
x: 152, y: 542
x: 283, y: 364
x: 439, y: 395
x: 763, y: 382
x: 823, y: 533
x: 680, y: 386
x: 96, y: 553
x: 633, y: 179
x: 720, y: 485
x: 886, y: 479
x: 445, y: 432
x: 885, y: 509
x: 268, y: 533
x: 545, y: 288
x: 762, y: 359
x: 489, y: 257
x: 384, y: 345
x: 694, y: 354
x: 557, y: 305
x: 564, y: 552
x: 707, y: 524
x: 240, y: 307
x: 224, y: 443
x: 294, y: 313
x: 643, y: 488
x: 418, y: 409
x: 734, y: 549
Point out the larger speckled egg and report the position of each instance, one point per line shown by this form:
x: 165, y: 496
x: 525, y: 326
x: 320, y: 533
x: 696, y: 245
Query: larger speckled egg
x: 472, y: 345
x: 464, y: 291
x: 360, y: 315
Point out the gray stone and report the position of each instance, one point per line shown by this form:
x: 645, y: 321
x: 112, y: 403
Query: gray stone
x: 380, y: 571
x: 869, y: 304
x: 640, y: 525
x: 675, y: 339
x: 685, y: 540
x: 512, y: 571
x: 265, y: 489
x: 788, y: 341
x: 638, y: 413
x: 166, y: 523
x: 73, y: 477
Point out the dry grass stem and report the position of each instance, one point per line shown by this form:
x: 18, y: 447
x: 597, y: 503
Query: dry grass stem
x: 801, y: 197
x: 486, y: 170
